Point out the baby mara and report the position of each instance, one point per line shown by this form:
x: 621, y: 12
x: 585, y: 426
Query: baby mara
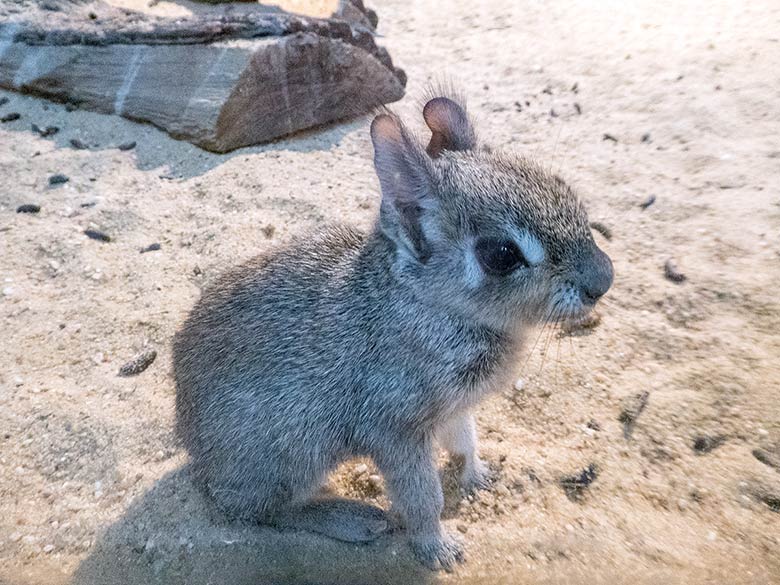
x: 380, y: 344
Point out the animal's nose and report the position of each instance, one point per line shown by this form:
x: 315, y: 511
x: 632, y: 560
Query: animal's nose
x: 596, y: 276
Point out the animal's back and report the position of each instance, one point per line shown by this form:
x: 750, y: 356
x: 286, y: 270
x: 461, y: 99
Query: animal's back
x: 238, y: 358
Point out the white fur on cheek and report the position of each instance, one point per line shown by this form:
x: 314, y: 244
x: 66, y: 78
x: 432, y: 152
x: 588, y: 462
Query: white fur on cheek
x: 473, y: 273
x: 531, y: 248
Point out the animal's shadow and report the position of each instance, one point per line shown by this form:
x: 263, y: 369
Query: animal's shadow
x: 172, y: 536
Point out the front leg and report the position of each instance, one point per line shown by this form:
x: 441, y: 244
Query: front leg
x: 459, y: 437
x: 413, y: 482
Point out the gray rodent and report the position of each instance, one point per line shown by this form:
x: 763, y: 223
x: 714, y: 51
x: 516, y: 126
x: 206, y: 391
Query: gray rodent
x: 344, y: 343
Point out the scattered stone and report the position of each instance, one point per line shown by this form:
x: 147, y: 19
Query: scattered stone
x: 361, y: 469
x: 767, y: 457
x: 602, y: 229
x: 575, y: 88
x: 553, y: 113
x: 71, y: 107
x: 519, y: 384
x: 88, y: 204
x: 15, y: 537
x: 375, y: 481
x: 631, y: 411
x: 97, y: 235
x: 11, y: 117
x: 268, y: 230
x: 705, y: 444
x: 672, y: 273
x: 763, y: 432
x: 647, y: 202
x: 151, y: 248
x: 78, y: 144
x: 138, y: 364
x: 48, y: 548
x: 577, y: 108
x: 610, y: 137
x: 682, y: 504
x: 44, y: 132
x: 3, y: 100
x: 646, y: 137
x: 58, y: 179
x: 594, y: 425
x: 575, y: 485
x: 28, y: 208
x: 127, y: 146
x: 462, y: 528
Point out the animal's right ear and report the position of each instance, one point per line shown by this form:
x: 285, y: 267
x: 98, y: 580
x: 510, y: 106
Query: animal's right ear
x: 404, y: 176
x: 451, y: 128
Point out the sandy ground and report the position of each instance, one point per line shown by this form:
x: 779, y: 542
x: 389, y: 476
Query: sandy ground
x: 92, y: 483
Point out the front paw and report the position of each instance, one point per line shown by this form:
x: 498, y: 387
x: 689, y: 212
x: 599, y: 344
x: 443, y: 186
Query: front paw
x: 437, y: 551
x: 477, y: 477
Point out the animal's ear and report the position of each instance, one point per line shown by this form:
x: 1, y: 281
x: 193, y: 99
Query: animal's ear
x: 451, y: 128
x: 404, y: 176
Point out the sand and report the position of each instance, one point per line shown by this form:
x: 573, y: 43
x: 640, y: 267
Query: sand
x: 93, y: 487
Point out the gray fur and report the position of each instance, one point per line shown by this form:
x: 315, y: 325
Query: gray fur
x: 344, y: 343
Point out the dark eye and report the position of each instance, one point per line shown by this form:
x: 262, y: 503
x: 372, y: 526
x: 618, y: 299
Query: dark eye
x: 499, y: 256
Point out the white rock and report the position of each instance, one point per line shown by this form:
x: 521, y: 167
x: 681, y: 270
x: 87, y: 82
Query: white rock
x: 8, y: 291
x: 48, y: 548
x: 519, y: 383
x: 361, y: 469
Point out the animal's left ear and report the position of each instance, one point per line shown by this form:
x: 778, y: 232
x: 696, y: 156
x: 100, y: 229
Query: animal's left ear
x: 451, y: 128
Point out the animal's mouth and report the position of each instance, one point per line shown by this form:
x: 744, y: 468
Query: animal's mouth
x: 587, y: 318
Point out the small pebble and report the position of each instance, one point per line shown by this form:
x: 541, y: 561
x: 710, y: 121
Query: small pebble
x: 58, y: 179
x: 48, y: 548
x: 463, y: 528
x: 78, y: 144
x: 519, y: 384
x: 8, y: 291
x: 15, y: 537
x: 268, y: 231
x: 682, y: 504
x: 646, y: 137
x: 712, y: 535
x: 11, y: 117
x: 763, y: 432
x: 71, y: 107
x: 375, y: 481
x: 28, y: 208
x: 138, y: 364
x: 3, y: 100
x: 577, y: 108
x: 126, y: 146
x: 96, y: 235
x: 361, y: 469
x: 647, y: 202
x: 608, y: 136
x: 672, y: 273
x: 150, y: 248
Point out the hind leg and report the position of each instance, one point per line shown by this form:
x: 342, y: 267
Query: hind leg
x: 459, y: 437
x: 292, y: 498
x: 339, y: 518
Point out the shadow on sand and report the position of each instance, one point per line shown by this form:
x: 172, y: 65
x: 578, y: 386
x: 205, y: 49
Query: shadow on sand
x: 171, y: 536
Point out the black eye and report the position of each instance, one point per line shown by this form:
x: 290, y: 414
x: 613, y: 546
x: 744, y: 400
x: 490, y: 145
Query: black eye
x: 499, y: 256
